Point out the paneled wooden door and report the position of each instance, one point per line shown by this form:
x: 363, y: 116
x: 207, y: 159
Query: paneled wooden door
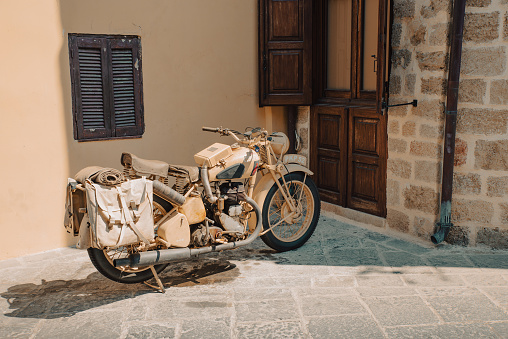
x: 348, y: 123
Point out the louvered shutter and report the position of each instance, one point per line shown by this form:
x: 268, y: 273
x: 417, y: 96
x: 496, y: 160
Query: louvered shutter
x: 107, y: 87
x: 285, y: 52
x: 126, y: 87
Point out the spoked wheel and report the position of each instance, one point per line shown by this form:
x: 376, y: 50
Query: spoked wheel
x: 291, y: 221
x: 103, y: 259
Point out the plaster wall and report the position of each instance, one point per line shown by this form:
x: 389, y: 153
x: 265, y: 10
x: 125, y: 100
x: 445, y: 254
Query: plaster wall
x: 199, y: 64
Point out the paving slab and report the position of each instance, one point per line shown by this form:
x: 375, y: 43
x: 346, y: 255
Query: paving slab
x: 346, y: 282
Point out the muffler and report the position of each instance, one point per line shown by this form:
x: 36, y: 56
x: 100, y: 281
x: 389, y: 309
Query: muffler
x: 176, y: 254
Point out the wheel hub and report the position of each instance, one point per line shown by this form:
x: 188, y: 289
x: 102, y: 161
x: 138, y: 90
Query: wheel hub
x: 286, y: 211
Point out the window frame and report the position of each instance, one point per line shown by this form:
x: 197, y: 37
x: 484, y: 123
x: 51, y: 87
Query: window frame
x: 106, y: 43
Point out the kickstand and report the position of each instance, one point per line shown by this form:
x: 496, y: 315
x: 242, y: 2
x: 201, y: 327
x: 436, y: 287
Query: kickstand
x: 159, y: 282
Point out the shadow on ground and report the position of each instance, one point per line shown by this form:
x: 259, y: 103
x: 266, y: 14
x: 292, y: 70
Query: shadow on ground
x: 333, y: 244
x: 64, y: 298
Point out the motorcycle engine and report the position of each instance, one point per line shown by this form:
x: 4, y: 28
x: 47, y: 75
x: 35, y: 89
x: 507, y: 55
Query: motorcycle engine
x: 229, y: 217
x: 233, y: 193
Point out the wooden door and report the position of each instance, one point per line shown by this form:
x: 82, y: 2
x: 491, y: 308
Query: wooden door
x: 329, y: 136
x: 366, y: 170
x: 349, y: 137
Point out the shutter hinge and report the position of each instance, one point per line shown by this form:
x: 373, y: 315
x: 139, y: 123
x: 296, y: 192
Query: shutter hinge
x: 264, y: 61
x: 72, y: 53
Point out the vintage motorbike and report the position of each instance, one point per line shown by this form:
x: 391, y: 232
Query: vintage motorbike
x: 157, y: 213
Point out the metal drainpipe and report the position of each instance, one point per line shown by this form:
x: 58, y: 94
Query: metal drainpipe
x: 452, y: 94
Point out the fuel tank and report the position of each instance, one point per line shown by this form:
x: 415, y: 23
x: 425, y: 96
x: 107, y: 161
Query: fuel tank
x: 239, y: 163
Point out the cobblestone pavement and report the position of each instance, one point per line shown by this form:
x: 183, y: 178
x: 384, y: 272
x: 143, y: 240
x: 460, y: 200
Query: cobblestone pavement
x: 347, y: 282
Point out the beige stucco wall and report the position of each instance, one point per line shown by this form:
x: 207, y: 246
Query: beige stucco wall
x: 199, y: 63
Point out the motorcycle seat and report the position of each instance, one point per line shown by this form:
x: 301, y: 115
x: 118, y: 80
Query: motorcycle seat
x: 145, y: 166
x: 159, y: 168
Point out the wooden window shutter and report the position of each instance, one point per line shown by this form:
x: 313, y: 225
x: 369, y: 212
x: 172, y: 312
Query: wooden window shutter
x: 106, y: 86
x: 285, y: 52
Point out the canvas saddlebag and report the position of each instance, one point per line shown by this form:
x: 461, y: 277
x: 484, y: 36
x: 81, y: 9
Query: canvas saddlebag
x: 120, y: 215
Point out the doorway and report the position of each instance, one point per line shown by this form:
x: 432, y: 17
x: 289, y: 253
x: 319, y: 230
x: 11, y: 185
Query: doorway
x: 348, y: 120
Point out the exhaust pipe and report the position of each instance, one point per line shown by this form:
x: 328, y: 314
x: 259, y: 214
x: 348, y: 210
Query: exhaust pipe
x: 168, y: 193
x: 176, y: 254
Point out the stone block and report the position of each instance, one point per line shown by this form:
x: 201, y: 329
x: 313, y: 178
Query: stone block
x: 460, y: 156
x: 497, y: 186
x: 397, y: 220
x: 493, y: 237
x: 472, y: 90
x: 417, y: 35
x: 466, y: 183
x: 434, y: 85
x: 397, y: 311
x: 399, y: 168
x: 400, y: 111
x: 504, y: 213
x: 396, y: 34
x: 430, y: 110
x: 428, y: 171
x: 484, y: 121
x: 395, y: 84
x: 481, y: 27
x: 397, y: 145
x: 409, y: 129
x: 491, y: 155
x: 302, y: 117
x: 409, y: 84
x: 403, y: 8
x: 439, y: 34
x: 425, y: 149
x: 458, y: 235
x: 393, y: 127
x: 505, y: 26
x: 401, y: 58
x: 499, y: 92
x: 432, y: 61
x: 420, y: 198
x: 423, y: 227
x: 484, y: 61
x: 434, y: 132
x: 304, y: 135
x: 435, y: 7
x: 478, y: 3
x: 472, y: 210
x: 392, y: 192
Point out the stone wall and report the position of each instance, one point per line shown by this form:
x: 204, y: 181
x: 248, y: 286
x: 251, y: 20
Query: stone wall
x: 415, y: 135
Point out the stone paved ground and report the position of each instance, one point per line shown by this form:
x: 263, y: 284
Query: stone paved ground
x: 347, y: 282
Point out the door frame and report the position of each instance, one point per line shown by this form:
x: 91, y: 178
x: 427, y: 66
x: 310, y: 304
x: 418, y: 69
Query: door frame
x: 344, y: 103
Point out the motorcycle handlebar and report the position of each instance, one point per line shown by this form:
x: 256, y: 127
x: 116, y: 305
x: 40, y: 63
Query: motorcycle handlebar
x: 210, y: 129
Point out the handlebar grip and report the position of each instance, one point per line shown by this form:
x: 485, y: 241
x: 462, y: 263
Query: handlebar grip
x: 210, y: 129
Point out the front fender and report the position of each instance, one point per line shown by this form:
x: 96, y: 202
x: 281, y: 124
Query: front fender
x: 266, y: 182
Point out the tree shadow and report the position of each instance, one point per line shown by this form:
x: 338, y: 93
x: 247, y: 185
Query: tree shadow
x: 64, y: 298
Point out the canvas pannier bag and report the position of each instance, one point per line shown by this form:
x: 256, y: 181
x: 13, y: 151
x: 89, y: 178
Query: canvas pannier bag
x: 120, y: 215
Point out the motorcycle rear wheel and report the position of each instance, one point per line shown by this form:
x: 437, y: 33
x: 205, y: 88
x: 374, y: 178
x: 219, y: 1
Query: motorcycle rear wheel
x: 103, y: 259
x: 295, y: 231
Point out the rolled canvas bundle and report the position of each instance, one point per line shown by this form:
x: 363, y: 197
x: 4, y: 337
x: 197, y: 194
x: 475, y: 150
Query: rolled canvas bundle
x: 100, y: 175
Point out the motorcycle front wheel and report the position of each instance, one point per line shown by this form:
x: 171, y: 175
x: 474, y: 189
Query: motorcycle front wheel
x: 103, y: 259
x: 288, y: 229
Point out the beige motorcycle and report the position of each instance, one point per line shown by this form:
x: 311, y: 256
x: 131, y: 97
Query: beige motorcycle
x: 157, y: 213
